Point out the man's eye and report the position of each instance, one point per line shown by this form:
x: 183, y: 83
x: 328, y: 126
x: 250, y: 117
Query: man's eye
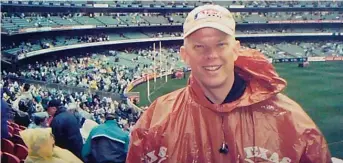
x: 198, y: 46
x: 221, y: 44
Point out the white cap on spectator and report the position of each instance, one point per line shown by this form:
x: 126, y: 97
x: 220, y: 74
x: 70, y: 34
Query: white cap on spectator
x: 213, y: 16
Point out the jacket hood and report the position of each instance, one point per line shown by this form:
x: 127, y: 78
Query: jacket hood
x: 40, y: 143
x: 261, y: 79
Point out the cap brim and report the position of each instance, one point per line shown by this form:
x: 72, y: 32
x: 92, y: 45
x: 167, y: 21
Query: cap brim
x: 214, y: 25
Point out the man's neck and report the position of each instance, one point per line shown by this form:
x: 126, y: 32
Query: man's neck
x: 218, y: 95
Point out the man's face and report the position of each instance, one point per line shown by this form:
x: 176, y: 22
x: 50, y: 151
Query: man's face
x: 211, y: 55
x: 51, y: 111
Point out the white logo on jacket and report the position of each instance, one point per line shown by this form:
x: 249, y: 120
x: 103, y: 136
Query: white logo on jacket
x: 265, y: 154
x: 159, y: 158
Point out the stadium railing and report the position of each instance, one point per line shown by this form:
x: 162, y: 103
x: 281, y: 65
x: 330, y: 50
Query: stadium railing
x: 13, y: 31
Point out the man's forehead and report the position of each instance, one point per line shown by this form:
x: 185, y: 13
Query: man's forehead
x: 199, y: 39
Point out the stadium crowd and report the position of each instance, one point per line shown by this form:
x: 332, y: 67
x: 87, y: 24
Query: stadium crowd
x: 35, y: 44
x: 28, y: 106
x: 292, y: 49
x: 88, y: 72
x: 109, y: 71
x: 14, y: 21
x: 86, y: 105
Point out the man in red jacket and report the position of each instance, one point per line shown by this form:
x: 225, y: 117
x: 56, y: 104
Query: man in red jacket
x: 230, y: 111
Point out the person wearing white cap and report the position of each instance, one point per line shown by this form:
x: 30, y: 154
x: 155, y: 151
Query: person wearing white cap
x: 232, y: 109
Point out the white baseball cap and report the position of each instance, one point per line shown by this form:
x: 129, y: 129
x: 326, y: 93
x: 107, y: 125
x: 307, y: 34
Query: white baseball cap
x: 213, y: 16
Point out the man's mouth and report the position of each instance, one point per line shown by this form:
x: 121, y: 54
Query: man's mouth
x: 212, y: 68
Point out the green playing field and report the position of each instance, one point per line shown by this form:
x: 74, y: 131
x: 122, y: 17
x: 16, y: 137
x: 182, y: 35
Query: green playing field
x: 317, y: 88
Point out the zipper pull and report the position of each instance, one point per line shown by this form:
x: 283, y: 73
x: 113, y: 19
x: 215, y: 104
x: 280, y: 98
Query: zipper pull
x: 224, y: 148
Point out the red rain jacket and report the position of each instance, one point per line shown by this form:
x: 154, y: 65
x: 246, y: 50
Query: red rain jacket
x: 263, y: 125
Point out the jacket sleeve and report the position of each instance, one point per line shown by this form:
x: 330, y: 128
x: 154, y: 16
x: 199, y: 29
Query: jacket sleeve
x: 316, y: 149
x: 75, y: 141
x: 127, y: 143
x: 4, y: 117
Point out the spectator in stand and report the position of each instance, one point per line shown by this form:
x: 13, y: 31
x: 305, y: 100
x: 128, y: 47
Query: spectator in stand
x: 87, y: 106
x: 232, y: 109
x: 41, y: 148
x: 39, y: 120
x: 65, y: 128
x: 82, y: 111
x: 106, y: 143
x: 6, y: 90
x: 25, y: 95
x: 24, y: 106
x: 4, y: 117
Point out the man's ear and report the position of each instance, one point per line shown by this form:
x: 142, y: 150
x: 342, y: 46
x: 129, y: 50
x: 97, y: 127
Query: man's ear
x: 236, y: 48
x: 183, y: 54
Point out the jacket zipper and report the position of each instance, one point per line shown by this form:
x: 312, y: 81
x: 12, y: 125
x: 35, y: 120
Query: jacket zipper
x: 222, y: 117
x: 224, y: 144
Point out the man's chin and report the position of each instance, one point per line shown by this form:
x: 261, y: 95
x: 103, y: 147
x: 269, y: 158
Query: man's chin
x: 213, y: 84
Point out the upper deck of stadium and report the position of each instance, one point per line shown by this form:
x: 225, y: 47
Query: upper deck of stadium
x: 158, y: 5
x: 13, y: 23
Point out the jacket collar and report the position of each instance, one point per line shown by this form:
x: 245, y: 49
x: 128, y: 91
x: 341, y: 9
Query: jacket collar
x: 60, y: 110
x: 111, y: 122
x: 236, y: 91
x: 261, y: 79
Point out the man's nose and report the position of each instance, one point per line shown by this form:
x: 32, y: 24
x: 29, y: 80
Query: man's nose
x: 212, y: 54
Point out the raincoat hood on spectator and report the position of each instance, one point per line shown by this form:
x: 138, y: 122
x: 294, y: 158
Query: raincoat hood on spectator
x: 262, y: 125
x: 41, y: 149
